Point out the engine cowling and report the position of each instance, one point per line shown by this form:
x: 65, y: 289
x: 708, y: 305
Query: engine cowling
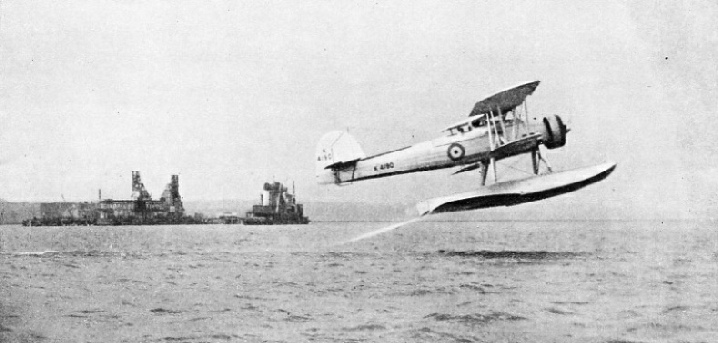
x: 554, y: 135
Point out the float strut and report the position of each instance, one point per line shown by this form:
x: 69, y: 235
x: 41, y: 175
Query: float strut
x: 542, y: 155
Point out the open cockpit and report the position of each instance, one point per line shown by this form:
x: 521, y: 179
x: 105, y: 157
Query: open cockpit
x: 468, y: 125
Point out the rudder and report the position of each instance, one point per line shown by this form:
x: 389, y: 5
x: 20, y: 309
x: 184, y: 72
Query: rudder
x: 333, y: 148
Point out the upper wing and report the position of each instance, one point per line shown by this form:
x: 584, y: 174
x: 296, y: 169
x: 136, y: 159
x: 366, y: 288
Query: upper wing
x: 506, y: 100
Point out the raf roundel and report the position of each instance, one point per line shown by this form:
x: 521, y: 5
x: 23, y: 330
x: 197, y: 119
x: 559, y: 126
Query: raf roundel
x: 456, y: 152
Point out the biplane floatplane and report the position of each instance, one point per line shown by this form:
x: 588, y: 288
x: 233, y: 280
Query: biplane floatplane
x: 497, y: 128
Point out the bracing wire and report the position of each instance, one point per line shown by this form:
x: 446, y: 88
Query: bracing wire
x: 512, y: 166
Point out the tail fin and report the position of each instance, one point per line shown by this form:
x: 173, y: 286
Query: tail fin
x: 333, y: 151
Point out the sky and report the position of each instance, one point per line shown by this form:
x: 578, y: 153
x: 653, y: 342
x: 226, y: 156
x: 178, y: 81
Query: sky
x: 229, y: 94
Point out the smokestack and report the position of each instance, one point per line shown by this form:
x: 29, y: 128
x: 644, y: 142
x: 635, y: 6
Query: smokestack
x: 136, y: 185
x: 138, y: 189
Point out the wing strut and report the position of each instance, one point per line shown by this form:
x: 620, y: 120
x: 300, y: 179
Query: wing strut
x: 503, y: 127
x: 501, y: 143
x: 492, y: 144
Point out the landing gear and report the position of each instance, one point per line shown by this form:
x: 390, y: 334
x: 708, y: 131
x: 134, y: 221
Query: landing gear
x: 484, y: 170
x: 485, y: 166
x: 538, y: 155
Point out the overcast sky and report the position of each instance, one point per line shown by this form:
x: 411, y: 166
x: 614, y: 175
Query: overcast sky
x: 229, y: 95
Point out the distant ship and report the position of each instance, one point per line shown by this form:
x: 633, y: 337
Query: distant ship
x: 277, y: 207
x: 140, y: 210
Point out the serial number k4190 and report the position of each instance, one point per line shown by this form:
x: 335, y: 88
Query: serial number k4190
x: 384, y: 166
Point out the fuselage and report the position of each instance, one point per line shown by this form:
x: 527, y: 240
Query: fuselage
x: 428, y: 155
x: 468, y: 144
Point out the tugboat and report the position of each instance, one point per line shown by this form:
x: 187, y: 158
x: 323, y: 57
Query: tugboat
x: 277, y: 207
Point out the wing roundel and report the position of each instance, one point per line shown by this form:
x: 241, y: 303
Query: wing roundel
x: 456, y: 152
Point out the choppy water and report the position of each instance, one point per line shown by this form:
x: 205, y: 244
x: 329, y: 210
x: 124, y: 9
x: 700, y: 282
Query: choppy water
x: 424, y: 282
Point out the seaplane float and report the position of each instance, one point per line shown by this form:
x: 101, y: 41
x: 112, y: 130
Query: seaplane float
x: 498, y: 127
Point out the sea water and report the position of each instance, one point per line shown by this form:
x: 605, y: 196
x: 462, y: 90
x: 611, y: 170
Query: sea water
x: 424, y: 281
